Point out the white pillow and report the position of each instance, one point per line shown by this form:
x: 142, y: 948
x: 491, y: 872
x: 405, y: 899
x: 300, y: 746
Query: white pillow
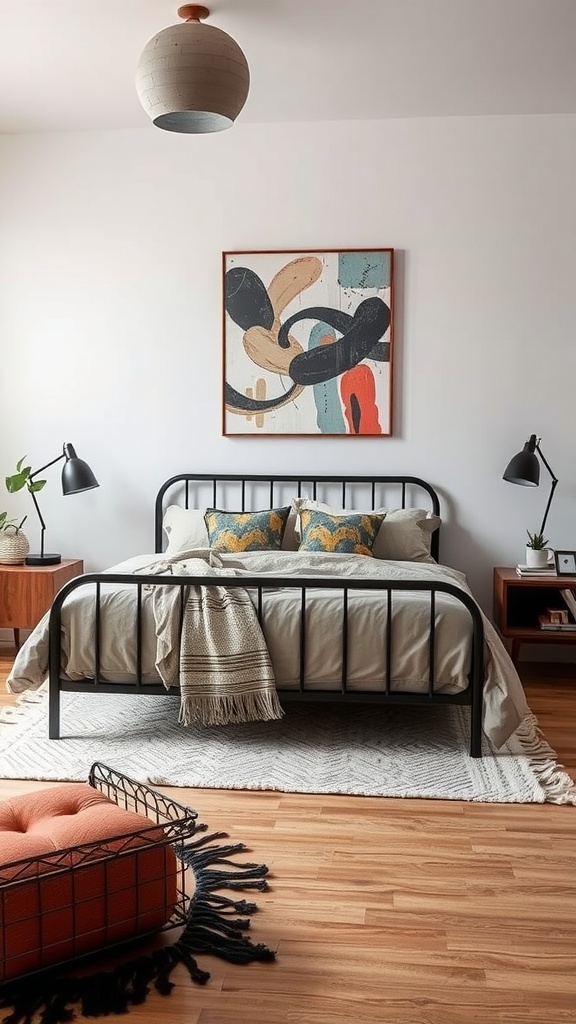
x: 405, y: 535
x: 185, y: 529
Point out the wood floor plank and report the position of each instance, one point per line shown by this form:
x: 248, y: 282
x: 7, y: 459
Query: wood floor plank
x: 388, y: 911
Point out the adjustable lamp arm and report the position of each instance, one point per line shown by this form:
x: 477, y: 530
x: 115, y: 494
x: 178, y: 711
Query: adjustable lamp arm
x: 76, y: 477
x: 524, y: 468
x: 33, y: 496
x: 42, y: 523
x: 552, y: 489
x: 42, y: 468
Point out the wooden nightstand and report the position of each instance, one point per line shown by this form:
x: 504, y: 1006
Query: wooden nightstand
x: 26, y: 592
x: 519, y: 600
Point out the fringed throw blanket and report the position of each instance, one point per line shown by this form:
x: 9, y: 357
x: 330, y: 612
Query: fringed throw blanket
x: 210, y: 644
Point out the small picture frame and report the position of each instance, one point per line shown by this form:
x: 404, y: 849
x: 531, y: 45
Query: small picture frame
x: 565, y: 563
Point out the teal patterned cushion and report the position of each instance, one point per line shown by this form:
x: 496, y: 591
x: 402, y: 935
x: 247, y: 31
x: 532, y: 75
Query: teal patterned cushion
x: 349, y: 534
x: 246, y: 531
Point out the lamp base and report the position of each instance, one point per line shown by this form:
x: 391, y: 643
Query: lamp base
x: 43, y: 559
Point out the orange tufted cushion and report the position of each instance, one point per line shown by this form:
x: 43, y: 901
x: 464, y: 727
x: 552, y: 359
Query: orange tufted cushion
x: 56, y: 902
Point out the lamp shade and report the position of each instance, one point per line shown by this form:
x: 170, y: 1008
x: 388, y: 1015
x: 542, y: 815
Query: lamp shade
x: 76, y: 474
x: 192, y: 78
x: 524, y: 467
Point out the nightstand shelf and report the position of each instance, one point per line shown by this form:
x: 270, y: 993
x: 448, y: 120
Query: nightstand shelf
x: 519, y: 600
x: 27, y: 592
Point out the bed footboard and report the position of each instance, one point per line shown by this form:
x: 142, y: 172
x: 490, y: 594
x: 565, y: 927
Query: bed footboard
x: 380, y: 690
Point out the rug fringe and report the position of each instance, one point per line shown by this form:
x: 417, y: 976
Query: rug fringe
x: 558, y: 786
x: 209, y: 929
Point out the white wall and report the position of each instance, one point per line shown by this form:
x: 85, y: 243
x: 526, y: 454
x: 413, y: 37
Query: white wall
x: 110, y: 312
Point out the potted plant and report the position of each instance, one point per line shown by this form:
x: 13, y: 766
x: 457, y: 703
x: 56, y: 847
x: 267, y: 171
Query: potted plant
x: 14, y: 544
x: 537, y: 553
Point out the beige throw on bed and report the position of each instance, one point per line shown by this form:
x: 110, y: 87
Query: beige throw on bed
x: 218, y: 657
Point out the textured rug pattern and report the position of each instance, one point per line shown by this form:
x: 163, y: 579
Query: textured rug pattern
x: 374, y: 751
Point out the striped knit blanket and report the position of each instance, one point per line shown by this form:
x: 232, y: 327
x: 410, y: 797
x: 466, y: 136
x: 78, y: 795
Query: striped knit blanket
x: 210, y: 644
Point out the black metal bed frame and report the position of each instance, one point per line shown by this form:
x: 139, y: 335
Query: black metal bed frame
x: 189, y: 487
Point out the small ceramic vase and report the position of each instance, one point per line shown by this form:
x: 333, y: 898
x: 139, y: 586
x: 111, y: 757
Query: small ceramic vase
x: 539, y: 558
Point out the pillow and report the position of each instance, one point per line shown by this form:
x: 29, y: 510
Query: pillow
x: 291, y: 540
x: 405, y: 534
x: 352, y: 534
x: 185, y: 529
x: 246, y: 531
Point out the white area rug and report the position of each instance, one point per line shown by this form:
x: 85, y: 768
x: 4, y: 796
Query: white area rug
x: 374, y: 751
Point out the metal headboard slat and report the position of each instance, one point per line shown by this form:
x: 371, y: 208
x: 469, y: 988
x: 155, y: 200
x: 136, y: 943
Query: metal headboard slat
x: 185, y: 480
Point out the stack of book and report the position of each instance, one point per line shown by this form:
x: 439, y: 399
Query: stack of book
x: 531, y: 570
x: 559, y: 619
x: 570, y: 598
x: 559, y: 627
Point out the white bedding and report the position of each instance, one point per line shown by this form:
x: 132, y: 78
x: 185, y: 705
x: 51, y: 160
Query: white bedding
x: 504, y: 703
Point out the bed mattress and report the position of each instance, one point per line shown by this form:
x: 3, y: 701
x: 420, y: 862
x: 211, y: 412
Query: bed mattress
x: 367, y: 624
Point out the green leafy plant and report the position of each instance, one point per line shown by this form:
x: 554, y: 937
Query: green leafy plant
x: 14, y: 483
x: 21, y: 478
x: 537, y: 541
x: 11, y: 524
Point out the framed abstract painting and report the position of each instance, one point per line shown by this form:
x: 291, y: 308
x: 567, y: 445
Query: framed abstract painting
x: 308, y: 342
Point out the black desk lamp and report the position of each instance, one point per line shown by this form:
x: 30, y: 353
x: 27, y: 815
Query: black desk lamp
x: 524, y: 468
x: 76, y: 476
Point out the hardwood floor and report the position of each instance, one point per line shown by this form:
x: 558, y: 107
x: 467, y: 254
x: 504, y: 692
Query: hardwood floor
x: 397, y: 911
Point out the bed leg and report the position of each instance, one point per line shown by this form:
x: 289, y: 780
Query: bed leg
x: 54, y: 711
x: 475, y: 732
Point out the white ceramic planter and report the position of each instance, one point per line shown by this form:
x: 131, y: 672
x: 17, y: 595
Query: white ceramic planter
x: 539, y: 558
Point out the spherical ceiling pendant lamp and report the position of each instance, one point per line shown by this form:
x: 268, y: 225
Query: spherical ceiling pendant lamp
x: 192, y: 78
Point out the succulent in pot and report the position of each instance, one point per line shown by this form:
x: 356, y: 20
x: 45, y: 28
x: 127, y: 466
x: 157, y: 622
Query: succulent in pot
x: 538, y: 555
x: 536, y: 541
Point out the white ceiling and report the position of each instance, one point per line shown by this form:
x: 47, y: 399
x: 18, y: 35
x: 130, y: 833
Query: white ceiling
x: 70, y: 64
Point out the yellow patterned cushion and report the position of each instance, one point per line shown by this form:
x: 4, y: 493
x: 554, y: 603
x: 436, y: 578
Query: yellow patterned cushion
x: 246, y: 531
x: 349, y: 534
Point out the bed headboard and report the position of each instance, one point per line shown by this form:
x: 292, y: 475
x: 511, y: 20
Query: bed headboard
x: 254, y: 491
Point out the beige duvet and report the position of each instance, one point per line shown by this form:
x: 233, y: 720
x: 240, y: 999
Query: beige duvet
x: 504, y: 703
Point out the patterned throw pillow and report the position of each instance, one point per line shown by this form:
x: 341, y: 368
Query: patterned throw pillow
x: 246, y: 531
x: 350, y: 534
x: 405, y: 536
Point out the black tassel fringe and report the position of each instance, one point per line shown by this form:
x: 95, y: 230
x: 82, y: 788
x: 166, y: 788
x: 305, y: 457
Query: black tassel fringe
x: 210, y: 928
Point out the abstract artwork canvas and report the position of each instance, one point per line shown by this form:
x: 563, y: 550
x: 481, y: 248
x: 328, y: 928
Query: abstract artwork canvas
x: 308, y: 342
